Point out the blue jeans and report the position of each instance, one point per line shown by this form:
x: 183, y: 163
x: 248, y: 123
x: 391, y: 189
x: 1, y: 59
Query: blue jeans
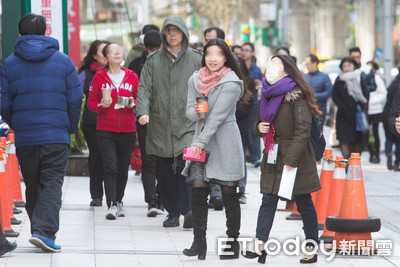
x: 267, y: 211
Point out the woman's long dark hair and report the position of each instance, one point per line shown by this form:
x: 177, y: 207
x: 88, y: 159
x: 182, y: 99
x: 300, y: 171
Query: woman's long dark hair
x: 291, y: 69
x: 89, y: 58
x: 230, y: 63
x: 250, y: 82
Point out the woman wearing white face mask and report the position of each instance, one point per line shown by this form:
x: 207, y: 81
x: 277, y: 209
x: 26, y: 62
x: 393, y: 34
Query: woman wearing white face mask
x: 287, y: 128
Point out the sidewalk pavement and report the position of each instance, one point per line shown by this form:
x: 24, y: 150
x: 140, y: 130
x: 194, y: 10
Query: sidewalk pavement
x: 88, y: 239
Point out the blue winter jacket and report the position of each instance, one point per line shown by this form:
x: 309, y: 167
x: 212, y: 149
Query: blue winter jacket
x: 41, y: 94
x: 255, y: 71
x: 322, y: 85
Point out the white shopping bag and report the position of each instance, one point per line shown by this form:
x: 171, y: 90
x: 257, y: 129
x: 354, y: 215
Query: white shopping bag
x: 287, y: 183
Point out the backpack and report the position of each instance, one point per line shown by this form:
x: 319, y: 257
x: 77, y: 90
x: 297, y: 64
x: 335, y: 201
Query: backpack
x: 316, y: 138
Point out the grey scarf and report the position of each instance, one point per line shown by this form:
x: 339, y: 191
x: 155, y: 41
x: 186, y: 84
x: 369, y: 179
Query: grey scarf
x: 352, y: 80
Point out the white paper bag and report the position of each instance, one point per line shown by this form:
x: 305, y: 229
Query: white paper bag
x: 287, y: 183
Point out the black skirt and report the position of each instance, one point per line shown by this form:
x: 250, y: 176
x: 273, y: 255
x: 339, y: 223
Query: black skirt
x: 197, y: 171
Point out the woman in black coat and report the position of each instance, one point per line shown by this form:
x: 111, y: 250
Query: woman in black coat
x: 93, y: 61
x: 244, y: 119
x: 349, y: 90
x: 391, y: 111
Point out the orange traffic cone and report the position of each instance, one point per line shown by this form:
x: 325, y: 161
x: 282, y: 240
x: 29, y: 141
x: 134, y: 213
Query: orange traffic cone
x: 335, y: 196
x: 5, y: 208
x: 353, y: 227
x: 3, y: 143
x: 295, y: 214
x: 14, y: 172
x: 1, y: 218
x: 328, y: 165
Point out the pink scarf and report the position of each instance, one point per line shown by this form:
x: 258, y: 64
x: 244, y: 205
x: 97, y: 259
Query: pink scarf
x: 207, y: 80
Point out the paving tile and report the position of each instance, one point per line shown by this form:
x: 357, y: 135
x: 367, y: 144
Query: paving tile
x: 88, y: 239
x: 120, y: 260
x: 72, y: 259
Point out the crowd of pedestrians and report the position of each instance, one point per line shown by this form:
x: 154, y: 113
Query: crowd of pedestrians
x: 157, y: 99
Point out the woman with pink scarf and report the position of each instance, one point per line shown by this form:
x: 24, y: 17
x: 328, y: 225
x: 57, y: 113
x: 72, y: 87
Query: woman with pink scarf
x: 220, y: 81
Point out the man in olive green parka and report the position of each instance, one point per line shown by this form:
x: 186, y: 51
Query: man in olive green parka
x: 161, y: 104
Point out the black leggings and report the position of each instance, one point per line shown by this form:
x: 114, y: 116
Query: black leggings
x: 347, y: 149
x: 115, y: 149
x: 148, y: 167
x: 226, y: 190
x: 374, y: 150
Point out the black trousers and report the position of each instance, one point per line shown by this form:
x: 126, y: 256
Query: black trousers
x: 254, y: 147
x: 115, y: 149
x: 3, y: 239
x: 175, y: 192
x: 148, y: 167
x: 43, y: 168
x: 95, y: 164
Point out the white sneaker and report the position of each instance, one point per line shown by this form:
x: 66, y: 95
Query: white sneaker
x: 120, y: 209
x: 112, y: 213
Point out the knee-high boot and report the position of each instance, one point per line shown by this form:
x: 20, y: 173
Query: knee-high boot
x: 232, y: 213
x: 199, y: 213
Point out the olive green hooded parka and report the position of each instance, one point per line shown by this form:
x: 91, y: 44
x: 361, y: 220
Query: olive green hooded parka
x: 162, y: 95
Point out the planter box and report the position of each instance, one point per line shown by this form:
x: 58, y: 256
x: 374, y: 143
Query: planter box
x: 77, y: 165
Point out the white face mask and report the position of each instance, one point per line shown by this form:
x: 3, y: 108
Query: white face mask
x: 272, y: 75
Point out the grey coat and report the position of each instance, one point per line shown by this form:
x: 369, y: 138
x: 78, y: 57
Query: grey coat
x: 218, y: 133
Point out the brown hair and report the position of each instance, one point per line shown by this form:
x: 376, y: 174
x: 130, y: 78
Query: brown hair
x: 230, y: 63
x: 291, y: 69
x: 89, y: 58
x: 349, y: 60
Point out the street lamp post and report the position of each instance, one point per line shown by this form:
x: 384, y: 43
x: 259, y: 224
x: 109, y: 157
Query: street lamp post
x: 285, y: 7
x: 387, y: 40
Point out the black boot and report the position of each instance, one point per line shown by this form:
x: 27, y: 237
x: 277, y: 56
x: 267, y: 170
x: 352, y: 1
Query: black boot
x: 232, y: 213
x: 372, y: 154
x: 199, y: 215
